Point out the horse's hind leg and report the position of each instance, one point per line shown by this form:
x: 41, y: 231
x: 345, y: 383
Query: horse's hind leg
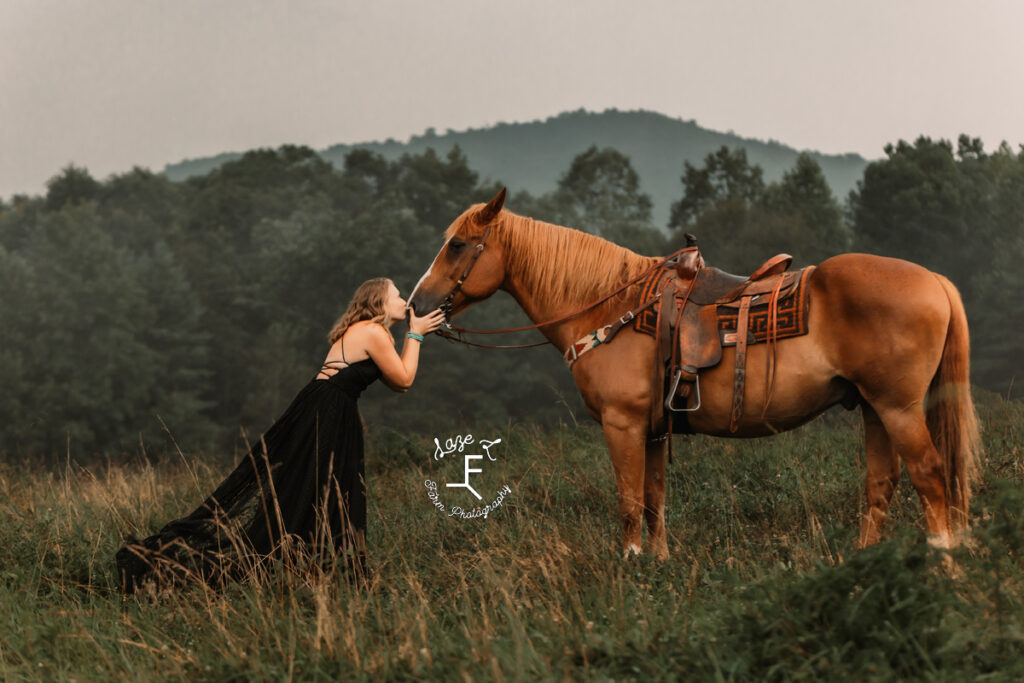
x: 883, y: 465
x: 654, y: 498
x: 909, y: 434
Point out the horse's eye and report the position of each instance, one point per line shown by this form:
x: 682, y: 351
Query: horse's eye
x: 456, y: 245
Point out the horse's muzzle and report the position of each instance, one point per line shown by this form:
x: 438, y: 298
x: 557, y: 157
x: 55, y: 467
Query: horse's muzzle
x: 424, y: 303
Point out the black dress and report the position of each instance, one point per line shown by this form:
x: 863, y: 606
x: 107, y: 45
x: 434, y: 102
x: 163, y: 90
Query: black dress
x: 300, y: 489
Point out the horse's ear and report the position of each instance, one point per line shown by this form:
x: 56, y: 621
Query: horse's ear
x: 489, y: 212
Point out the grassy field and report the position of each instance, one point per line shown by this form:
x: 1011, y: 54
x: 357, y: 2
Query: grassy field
x: 763, y: 583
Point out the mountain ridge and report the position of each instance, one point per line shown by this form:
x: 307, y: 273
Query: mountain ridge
x: 533, y: 155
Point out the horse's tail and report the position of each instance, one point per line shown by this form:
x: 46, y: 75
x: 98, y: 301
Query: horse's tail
x: 952, y: 419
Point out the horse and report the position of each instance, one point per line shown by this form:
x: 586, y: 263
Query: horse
x: 883, y: 333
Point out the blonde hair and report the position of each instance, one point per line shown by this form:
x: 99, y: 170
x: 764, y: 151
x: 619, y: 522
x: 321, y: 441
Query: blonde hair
x: 368, y: 303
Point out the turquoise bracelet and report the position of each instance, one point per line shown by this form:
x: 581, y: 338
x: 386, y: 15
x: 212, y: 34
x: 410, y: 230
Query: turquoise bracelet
x: 413, y: 335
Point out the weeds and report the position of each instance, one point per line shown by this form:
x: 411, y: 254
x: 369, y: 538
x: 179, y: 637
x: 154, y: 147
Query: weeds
x: 763, y: 582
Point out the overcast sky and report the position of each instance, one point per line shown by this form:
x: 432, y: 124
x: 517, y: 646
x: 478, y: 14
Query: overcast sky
x: 111, y: 84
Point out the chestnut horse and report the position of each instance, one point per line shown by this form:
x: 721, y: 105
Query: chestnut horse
x: 884, y: 333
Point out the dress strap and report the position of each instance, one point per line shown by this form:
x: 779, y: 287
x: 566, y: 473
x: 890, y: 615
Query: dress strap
x: 330, y: 364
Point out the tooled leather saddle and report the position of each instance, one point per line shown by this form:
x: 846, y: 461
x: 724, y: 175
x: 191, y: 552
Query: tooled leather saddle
x: 709, y: 310
x: 694, y: 311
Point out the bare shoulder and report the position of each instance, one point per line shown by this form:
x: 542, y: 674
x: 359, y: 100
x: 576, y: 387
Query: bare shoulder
x: 372, y: 336
x: 371, y: 330
x: 358, y: 342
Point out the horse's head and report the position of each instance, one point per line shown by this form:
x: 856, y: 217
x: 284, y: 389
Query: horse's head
x: 470, y: 266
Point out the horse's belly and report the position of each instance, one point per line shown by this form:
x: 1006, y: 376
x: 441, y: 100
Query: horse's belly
x: 804, y: 386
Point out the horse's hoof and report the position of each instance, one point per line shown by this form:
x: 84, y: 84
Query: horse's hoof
x: 942, y: 541
x: 631, y: 549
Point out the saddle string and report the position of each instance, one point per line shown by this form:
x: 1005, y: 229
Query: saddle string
x: 773, y: 332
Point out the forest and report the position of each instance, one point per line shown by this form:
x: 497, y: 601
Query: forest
x: 143, y: 316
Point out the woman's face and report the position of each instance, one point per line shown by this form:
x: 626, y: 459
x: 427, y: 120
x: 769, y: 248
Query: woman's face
x: 395, y: 304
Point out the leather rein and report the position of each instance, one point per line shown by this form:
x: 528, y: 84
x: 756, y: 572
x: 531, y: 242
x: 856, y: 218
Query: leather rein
x: 478, y: 250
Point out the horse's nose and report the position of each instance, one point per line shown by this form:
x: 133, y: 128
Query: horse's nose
x: 418, y: 307
x: 423, y: 300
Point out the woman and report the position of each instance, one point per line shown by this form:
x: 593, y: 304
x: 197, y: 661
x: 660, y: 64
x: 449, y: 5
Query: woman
x: 301, y: 488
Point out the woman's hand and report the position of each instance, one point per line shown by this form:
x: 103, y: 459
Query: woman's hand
x: 427, y: 323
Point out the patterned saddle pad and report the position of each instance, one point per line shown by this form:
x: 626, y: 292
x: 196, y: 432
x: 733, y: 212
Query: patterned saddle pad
x: 791, y: 316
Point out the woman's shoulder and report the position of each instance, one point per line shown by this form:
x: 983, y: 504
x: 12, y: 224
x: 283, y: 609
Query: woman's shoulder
x: 370, y: 334
x: 369, y: 328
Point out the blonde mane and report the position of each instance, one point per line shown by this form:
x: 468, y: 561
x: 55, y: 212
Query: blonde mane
x: 571, y: 267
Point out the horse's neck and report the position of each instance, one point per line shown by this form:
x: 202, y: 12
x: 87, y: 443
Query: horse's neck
x: 542, y: 306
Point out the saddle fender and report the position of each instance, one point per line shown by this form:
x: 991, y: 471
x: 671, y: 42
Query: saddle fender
x: 699, y: 343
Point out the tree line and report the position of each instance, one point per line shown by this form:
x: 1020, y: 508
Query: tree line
x: 142, y: 315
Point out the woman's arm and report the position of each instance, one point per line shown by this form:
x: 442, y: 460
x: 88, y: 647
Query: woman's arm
x: 398, y: 372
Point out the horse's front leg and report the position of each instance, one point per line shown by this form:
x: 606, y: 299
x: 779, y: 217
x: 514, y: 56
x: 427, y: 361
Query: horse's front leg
x: 625, y: 437
x: 654, y: 498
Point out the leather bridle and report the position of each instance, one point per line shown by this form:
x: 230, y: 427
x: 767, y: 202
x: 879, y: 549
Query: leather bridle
x: 447, y: 304
x: 477, y: 250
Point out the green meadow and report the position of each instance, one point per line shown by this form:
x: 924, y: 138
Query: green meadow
x: 763, y: 583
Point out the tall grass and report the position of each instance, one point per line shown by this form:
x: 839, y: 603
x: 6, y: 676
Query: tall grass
x: 763, y: 582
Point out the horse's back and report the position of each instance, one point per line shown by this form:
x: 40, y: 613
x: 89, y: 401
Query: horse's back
x: 877, y: 317
x: 865, y: 289
x: 871, y: 279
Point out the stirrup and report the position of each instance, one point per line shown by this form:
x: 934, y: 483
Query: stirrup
x: 672, y: 394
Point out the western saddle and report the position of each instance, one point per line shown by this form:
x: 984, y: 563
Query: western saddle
x: 688, y: 302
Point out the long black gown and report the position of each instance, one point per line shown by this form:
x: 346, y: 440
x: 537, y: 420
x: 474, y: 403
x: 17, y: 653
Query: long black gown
x: 300, y: 488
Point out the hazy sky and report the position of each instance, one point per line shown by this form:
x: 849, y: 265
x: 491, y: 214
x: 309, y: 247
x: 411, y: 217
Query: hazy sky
x: 111, y: 84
